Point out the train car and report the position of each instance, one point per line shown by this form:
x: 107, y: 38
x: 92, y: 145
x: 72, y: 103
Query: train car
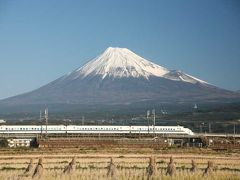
x: 76, y: 129
x: 31, y: 129
x: 129, y: 129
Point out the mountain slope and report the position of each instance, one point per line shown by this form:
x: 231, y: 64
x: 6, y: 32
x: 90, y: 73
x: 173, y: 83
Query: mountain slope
x: 119, y: 76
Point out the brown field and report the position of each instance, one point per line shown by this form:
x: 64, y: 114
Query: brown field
x: 130, y: 164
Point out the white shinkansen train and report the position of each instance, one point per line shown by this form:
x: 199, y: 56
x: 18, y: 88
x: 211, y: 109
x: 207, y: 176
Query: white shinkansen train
x: 60, y: 129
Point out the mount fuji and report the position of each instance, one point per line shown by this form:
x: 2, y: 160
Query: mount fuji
x: 119, y: 76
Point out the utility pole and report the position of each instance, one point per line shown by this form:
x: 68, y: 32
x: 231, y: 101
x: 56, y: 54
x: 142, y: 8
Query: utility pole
x: 200, y: 128
x: 209, y: 128
x: 154, y: 119
x: 40, y: 118
x: 234, y: 129
x: 148, y: 113
x: 46, y: 120
x: 67, y: 122
x: 83, y: 120
x: 40, y: 115
x: 234, y: 132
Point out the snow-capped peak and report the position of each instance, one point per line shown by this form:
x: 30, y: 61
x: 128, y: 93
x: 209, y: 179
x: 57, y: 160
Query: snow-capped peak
x: 120, y: 62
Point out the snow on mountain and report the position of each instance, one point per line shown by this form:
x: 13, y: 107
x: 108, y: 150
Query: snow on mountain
x: 177, y: 75
x: 120, y: 62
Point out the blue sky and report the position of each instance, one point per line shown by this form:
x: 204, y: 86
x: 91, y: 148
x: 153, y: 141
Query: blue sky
x: 43, y: 40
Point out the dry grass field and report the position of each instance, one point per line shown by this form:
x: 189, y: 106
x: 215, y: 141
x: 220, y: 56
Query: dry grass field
x: 132, y: 166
